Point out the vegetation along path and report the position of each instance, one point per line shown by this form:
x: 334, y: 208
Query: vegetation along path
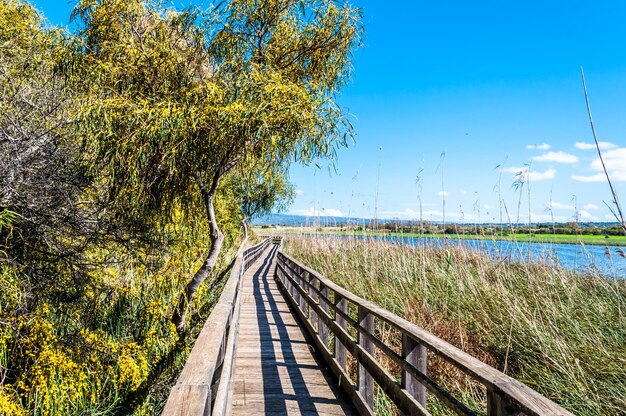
x: 284, y: 339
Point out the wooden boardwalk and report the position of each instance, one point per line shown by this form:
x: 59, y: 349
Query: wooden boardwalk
x: 276, y: 368
x: 256, y: 355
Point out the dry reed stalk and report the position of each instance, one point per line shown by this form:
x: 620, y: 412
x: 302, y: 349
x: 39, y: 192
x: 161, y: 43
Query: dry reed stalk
x: 619, y: 216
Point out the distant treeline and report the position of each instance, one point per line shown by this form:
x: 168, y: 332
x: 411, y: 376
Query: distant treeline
x: 569, y: 228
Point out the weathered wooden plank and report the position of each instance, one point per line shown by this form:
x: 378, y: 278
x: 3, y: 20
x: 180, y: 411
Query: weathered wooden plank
x: 275, y: 368
x: 191, y: 395
x: 322, y: 327
x: 312, y: 283
x: 340, y: 350
x: 415, y: 354
x: 188, y: 400
x: 291, y: 406
x: 408, y: 402
x: 223, y: 396
x: 344, y: 379
x: 399, y: 396
x: 365, y: 382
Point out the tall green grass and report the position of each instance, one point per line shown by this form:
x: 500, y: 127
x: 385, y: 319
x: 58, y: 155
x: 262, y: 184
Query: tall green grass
x: 561, y: 333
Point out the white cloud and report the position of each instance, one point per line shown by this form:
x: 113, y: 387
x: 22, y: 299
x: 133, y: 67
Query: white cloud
x: 443, y: 193
x: 460, y: 217
x: 299, y: 192
x: 585, y: 215
x: 591, y: 207
x: 558, y: 157
x: 408, y: 213
x: 532, y: 175
x: 417, y: 204
x: 558, y: 205
x: 463, y: 192
x: 331, y: 212
x: 589, y: 146
x: 486, y: 206
x: 542, y: 176
x: 516, y: 170
x: 543, y: 146
x: 615, y: 161
x: 547, y: 218
x: 592, y: 178
x: 313, y: 212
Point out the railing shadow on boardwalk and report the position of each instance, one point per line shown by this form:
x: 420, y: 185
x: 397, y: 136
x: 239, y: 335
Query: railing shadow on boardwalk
x: 277, y: 390
x: 310, y: 309
x: 203, y: 386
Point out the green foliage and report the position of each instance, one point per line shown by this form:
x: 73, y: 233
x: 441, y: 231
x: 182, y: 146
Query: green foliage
x: 6, y: 218
x: 261, y: 191
x: 112, y: 349
x: 173, y: 106
x: 174, y: 102
x: 41, y: 181
x: 112, y: 140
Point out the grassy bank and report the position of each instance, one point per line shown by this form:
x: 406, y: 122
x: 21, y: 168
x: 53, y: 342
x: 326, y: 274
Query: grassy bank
x: 560, y: 333
x: 599, y: 240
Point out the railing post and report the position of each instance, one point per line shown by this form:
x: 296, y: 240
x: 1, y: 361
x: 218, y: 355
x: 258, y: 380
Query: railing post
x: 280, y: 273
x: 365, y: 381
x: 323, y: 328
x: 340, y: 349
x: 496, y: 406
x: 313, y: 284
x: 304, y: 277
x: 296, y: 281
x: 415, y: 354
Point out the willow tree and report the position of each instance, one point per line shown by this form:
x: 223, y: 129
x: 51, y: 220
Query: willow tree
x: 42, y: 185
x: 261, y: 190
x: 177, y: 100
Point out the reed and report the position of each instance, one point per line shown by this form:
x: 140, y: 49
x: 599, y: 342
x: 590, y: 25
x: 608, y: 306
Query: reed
x: 561, y: 333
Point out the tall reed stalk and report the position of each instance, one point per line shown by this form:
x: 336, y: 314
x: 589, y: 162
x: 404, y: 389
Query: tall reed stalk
x: 561, y: 333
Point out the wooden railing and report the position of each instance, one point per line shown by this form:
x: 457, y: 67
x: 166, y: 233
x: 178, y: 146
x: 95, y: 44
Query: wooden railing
x: 204, y: 385
x: 340, y: 323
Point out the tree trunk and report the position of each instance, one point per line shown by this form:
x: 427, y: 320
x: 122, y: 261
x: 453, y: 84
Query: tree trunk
x: 244, y: 223
x: 217, y: 239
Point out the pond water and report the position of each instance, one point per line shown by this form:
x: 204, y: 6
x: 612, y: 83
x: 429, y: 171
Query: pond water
x: 605, y: 260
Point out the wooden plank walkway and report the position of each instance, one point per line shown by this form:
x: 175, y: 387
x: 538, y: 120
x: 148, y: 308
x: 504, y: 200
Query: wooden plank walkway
x: 277, y: 371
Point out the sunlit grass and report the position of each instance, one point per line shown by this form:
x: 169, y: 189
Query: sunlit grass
x: 613, y: 240
x: 561, y: 333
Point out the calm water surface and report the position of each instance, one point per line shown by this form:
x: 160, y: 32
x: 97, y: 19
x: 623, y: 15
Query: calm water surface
x: 582, y: 259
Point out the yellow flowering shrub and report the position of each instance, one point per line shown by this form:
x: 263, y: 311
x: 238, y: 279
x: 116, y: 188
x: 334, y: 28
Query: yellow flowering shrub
x: 9, y: 404
x: 99, y: 352
x: 98, y: 338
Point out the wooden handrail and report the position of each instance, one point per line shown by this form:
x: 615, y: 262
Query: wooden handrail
x: 204, y: 385
x: 323, y: 306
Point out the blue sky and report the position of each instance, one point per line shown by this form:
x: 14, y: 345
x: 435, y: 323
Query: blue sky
x: 453, y: 89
